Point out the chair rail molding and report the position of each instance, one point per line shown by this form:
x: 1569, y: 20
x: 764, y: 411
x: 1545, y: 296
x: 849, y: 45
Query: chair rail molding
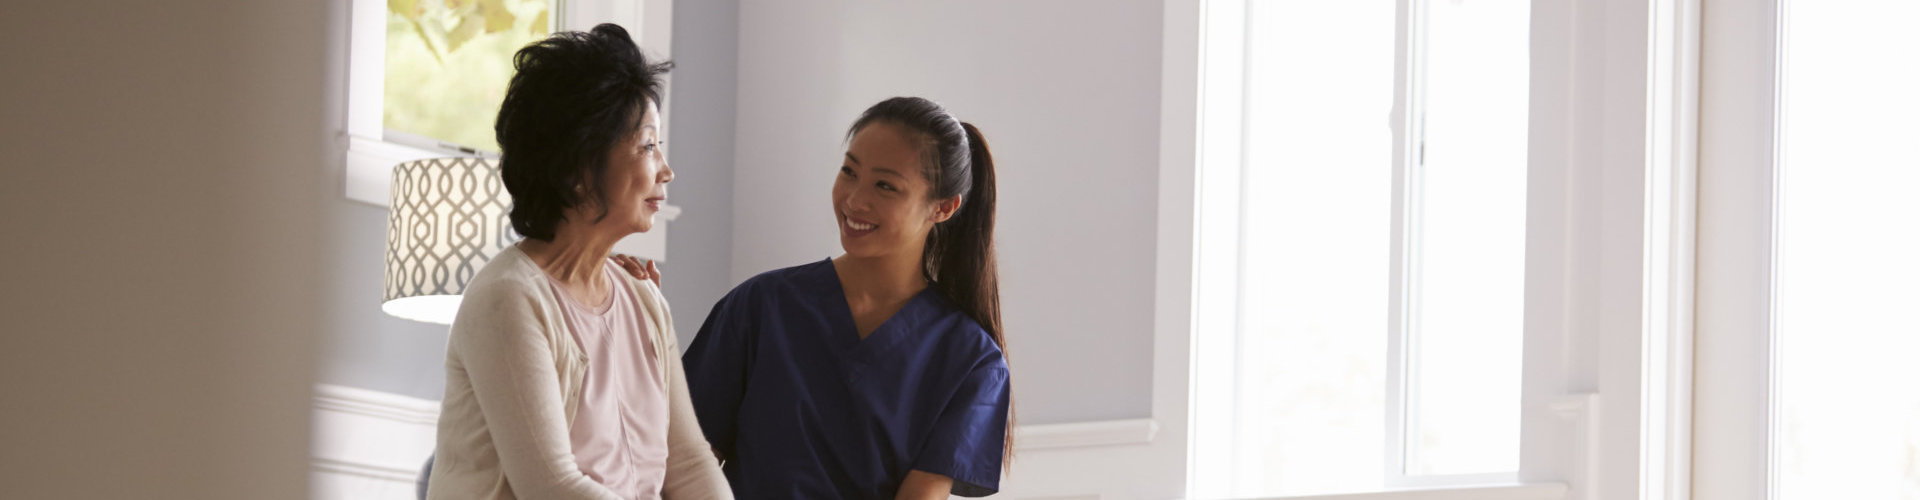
x: 371, y: 444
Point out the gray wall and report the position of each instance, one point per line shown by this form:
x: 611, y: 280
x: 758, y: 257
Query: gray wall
x: 161, y: 185
x: 1068, y: 95
x: 700, y: 149
x: 366, y: 348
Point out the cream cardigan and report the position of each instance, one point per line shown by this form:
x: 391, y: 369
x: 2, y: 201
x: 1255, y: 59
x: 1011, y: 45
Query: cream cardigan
x: 514, y: 376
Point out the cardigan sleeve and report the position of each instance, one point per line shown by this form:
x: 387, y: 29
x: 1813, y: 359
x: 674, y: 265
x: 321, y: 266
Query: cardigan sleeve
x: 693, y: 473
x: 500, y: 333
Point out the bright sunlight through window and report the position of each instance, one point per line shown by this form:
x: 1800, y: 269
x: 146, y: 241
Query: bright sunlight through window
x: 1847, y: 416
x: 1469, y: 239
x: 1297, y: 393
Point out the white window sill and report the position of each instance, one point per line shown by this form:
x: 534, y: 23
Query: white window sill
x: 370, y: 167
x: 1537, y: 491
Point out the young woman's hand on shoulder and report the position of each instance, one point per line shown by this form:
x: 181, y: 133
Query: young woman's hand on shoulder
x: 647, y: 271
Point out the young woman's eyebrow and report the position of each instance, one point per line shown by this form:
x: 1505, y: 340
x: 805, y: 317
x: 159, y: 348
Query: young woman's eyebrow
x: 882, y: 170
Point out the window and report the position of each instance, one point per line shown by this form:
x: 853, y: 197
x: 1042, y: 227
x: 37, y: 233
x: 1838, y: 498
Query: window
x: 1362, y: 245
x: 447, y: 108
x: 1849, y: 421
x: 1464, y: 237
x: 448, y: 64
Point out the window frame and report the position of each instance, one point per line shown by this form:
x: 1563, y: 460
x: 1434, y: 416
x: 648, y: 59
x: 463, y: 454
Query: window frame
x: 1739, y: 162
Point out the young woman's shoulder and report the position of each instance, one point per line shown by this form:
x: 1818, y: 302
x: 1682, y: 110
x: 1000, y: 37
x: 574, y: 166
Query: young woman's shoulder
x: 960, y: 333
x: 786, y: 280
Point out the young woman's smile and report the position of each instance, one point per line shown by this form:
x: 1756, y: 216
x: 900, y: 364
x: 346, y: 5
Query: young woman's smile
x: 854, y: 228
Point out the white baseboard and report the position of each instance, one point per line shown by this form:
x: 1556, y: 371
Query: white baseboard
x: 1085, y: 434
x: 376, y: 404
x: 374, y: 472
x: 369, y: 444
x: 1545, y: 491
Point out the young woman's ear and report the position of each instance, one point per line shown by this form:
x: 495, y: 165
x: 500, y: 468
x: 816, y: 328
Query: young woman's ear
x: 944, y: 209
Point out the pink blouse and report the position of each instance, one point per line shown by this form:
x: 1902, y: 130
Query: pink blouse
x: 619, y: 432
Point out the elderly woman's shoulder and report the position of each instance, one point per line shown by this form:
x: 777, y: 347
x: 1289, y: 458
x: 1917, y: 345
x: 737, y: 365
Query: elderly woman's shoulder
x: 510, y: 275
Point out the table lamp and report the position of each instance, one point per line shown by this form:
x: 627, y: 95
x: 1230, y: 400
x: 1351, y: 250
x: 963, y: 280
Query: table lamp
x: 447, y: 218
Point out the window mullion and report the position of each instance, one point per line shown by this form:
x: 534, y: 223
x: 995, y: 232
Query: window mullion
x: 1401, y: 306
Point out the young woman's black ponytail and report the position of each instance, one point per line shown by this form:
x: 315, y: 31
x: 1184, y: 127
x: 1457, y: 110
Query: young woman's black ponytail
x: 959, y: 255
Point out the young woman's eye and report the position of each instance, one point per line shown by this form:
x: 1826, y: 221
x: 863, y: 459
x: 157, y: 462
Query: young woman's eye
x: 887, y: 186
x: 846, y: 171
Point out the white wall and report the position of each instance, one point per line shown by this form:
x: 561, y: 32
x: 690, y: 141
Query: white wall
x: 1067, y: 94
x: 161, y: 186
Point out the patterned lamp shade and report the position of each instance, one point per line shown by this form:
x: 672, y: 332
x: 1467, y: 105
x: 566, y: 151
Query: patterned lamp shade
x: 448, y: 217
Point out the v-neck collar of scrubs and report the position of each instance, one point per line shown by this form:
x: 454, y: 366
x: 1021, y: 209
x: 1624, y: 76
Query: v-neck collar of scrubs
x: 845, y: 334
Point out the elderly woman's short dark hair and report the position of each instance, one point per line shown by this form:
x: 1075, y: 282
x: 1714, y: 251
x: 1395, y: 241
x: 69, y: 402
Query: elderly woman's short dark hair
x: 573, y: 97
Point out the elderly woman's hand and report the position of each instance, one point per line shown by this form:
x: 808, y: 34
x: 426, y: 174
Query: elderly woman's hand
x: 633, y: 266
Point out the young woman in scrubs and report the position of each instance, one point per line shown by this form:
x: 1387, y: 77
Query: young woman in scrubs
x: 877, y: 374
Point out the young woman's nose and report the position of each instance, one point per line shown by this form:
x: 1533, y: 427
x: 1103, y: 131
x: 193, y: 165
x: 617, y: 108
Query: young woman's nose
x: 855, y: 201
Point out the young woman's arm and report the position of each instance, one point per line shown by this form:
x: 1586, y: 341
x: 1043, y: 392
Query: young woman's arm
x: 966, y: 447
x: 923, y: 485
x: 717, y: 367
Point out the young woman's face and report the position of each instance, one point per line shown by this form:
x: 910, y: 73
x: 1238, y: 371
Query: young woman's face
x: 881, y: 198
x: 637, y: 176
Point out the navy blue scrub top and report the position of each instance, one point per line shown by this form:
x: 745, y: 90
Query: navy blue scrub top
x: 802, y: 407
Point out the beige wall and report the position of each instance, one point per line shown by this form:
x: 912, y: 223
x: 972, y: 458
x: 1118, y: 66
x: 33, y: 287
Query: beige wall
x: 161, y: 183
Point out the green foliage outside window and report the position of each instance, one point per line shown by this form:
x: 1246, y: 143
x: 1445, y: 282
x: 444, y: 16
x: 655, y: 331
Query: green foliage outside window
x: 448, y: 63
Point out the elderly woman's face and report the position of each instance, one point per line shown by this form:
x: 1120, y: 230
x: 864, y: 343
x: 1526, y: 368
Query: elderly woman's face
x: 637, y: 175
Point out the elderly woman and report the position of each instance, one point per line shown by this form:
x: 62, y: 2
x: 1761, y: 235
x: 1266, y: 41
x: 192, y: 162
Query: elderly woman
x: 563, y: 377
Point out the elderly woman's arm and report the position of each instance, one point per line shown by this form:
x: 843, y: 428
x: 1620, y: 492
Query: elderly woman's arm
x: 510, y: 363
x: 692, y: 470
